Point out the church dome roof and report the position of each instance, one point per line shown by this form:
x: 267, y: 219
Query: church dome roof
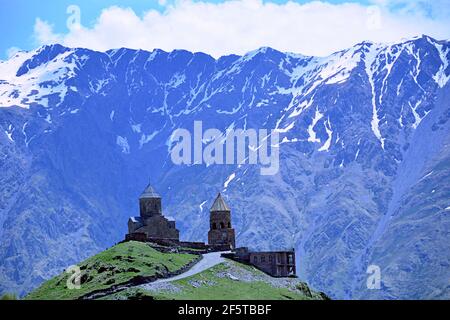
x: 219, y: 204
x: 149, y: 193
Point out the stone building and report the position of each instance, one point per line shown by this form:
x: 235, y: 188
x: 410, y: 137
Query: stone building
x: 151, y: 224
x: 275, y: 263
x: 220, y: 231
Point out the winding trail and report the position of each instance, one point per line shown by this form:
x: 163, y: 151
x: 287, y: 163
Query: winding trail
x: 209, y: 260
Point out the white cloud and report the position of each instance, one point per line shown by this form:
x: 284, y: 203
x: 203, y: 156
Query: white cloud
x: 43, y: 33
x: 314, y: 28
x: 10, y: 52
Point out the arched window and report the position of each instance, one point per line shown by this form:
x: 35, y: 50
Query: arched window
x: 214, y: 226
x: 222, y: 225
x: 229, y: 225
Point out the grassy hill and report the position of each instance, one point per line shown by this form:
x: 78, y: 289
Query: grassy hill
x: 229, y: 281
x: 131, y: 262
x: 120, y: 264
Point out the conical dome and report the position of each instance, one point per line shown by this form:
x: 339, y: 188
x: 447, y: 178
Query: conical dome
x: 219, y: 204
x: 149, y: 193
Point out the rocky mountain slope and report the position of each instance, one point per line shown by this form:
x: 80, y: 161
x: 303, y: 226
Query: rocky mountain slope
x: 364, y: 141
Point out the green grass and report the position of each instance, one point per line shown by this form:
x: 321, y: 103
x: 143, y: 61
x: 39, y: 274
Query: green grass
x: 214, y: 287
x: 116, y: 265
x: 8, y: 296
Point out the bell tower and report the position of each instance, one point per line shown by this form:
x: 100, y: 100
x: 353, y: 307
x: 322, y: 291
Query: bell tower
x: 220, y: 230
x: 149, y: 203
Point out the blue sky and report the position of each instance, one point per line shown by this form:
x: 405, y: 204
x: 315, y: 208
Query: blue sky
x: 18, y: 16
x: 18, y: 21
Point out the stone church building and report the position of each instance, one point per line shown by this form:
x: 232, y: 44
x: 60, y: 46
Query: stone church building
x: 151, y: 224
x: 220, y: 230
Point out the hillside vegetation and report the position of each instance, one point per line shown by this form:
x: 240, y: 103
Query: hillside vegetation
x: 131, y: 264
x: 117, y: 265
x: 230, y: 281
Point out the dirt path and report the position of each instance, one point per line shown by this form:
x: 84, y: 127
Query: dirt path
x: 209, y: 260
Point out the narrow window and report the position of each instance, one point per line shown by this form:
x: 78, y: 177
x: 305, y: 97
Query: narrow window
x: 214, y: 226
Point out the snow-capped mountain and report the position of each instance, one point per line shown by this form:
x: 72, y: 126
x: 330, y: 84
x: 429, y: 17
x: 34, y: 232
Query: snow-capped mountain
x: 364, y: 158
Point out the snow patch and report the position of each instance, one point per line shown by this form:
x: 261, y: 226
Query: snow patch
x: 286, y: 140
x: 358, y: 151
x: 123, y: 143
x: 426, y: 176
x: 230, y: 178
x: 340, y: 66
x: 286, y: 129
x: 327, y: 144
x: 301, y: 107
x: 441, y: 77
x: 136, y: 128
x: 417, y: 118
x: 201, y: 205
x: 177, y: 80
x: 38, y: 83
x: 147, y: 138
x: 312, y: 134
x: 235, y: 109
x: 370, y: 62
x: 9, y: 135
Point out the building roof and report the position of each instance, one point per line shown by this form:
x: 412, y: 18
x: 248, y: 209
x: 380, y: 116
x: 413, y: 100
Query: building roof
x: 136, y: 219
x: 219, y: 204
x: 149, y: 193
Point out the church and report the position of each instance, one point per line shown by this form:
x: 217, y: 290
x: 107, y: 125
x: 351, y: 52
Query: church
x: 220, y: 230
x: 151, y: 226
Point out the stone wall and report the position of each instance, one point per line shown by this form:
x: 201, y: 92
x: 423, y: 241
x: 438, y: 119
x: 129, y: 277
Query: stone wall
x: 158, y: 226
x: 136, y: 236
x: 218, y: 237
